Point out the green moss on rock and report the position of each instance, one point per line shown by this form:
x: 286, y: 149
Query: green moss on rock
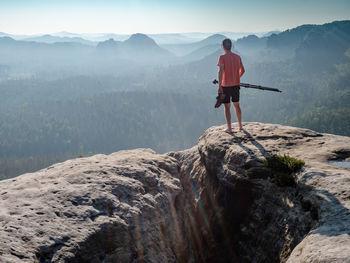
x: 283, y: 167
x: 283, y: 163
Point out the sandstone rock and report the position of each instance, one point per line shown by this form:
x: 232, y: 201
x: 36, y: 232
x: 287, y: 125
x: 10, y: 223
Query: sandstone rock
x: 115, y: 208
x: 196, y: 205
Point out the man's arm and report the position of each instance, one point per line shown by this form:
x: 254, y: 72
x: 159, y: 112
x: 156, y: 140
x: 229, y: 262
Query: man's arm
x: 220, y: 74
x: 241, y: 70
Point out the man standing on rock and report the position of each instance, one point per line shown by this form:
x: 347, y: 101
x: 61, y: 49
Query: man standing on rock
x: 230, y: 71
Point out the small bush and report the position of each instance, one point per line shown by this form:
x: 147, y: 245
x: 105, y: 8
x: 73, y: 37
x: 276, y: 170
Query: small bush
x: 283, y: 163
x: 283, y: 167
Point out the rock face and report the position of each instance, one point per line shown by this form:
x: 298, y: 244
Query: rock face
x: 215, y: 202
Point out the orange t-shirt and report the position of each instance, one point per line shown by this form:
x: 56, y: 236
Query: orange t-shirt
x: 232, y: 68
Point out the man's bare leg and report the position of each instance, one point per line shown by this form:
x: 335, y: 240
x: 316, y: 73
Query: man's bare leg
x: 228, y: 117
x: 238, y: 114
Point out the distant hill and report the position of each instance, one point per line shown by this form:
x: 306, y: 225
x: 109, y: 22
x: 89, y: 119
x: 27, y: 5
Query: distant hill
x: 236, y: 35
x: 326, y: 44
x: 102, y: 37
x: 140, y: 40
x: 65, y: 34
x: 316, y: 45
x: 289, y: 39
x: 267, y: 34
x: 213, y: 39
x: 186, y: 49
x: 54, y: 39
x: 2, y: 34
x: 204, y: 69
x: 29, y: 57
x: 319, y: 46
x: 172, y: 38
x: 139, y: 47
x: 201, y: 53
x: 6, y: 40
x: 108, y: 45
x: 27, y: 47
x: 17, y: 37
x: 251, y: 43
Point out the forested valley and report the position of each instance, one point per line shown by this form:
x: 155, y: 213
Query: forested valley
x: 66, y: 101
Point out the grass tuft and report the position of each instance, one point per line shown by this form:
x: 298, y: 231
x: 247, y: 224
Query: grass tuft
x: 283, y: 163
x: 284, y: 167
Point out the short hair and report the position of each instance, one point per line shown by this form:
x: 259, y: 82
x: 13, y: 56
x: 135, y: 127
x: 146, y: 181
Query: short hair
x: 227, y: 43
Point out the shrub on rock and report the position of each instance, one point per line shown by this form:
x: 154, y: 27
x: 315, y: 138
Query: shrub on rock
x: 284, y: 167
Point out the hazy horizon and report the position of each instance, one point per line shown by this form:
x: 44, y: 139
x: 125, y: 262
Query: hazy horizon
x: 33, y: 17
x: 146, y: 33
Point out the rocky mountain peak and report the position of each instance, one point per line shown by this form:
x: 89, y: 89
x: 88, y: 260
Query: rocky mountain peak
x: 140, y: 40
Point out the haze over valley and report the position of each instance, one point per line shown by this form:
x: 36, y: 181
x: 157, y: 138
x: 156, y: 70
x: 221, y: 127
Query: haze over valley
x: 66, y: 95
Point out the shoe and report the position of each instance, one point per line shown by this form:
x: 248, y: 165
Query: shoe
x: 219, y: 98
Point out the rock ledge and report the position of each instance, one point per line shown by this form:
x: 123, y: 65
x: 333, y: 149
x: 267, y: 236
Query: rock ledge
x: 196, y: 205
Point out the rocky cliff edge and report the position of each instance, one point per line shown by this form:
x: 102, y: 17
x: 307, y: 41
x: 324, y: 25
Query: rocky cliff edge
x: 215, y: 202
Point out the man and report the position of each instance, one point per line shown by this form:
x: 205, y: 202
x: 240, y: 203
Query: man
x: 230, y: 71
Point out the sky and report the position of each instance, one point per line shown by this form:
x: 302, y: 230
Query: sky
x: 165, y: 16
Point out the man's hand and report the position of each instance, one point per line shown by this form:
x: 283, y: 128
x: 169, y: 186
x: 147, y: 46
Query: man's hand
x: 220, y: 89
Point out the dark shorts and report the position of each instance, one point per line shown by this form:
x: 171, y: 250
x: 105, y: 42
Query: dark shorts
x: 232, y: 92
